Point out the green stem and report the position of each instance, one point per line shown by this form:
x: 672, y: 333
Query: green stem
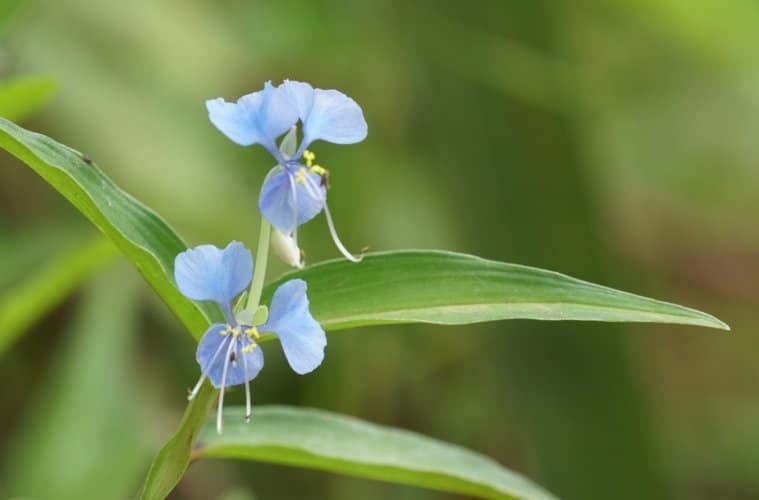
x: 262, y: 256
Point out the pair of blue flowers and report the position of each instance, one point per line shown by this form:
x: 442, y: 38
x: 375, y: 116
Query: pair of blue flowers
x: 293, y: 193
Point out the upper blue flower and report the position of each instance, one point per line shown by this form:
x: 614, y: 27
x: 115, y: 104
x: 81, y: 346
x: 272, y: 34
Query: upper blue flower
x: 228, y: 353
x: 295, y: 191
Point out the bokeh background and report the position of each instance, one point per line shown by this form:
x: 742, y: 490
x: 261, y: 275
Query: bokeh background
x: 616, y: 141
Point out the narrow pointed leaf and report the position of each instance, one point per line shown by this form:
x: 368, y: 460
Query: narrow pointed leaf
x: 144, y: 237
x: 81, y: 437
x: 147, y: 242
x: 44, y: 288
x: 337, y: 443
x: 450, y: 288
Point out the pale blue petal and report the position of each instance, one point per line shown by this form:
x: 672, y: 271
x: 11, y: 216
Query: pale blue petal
x: 334, y: 117
x: 209, y: 273
x: 213, y: 351
x: 234, y: 121
x: 257, y: 118
x: 302, y: 96
x: 310, y: 199
x: 279, y: 202
x: 302, y: 338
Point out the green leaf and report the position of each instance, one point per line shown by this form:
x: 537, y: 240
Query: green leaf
x: 20, y: 97
x: 450, y: 288
x: 82, y: 435
x: 327, y: 441
x: 144, y: 238
x: 46, y: 287
x: 172, y: 460
x: 149, y: 243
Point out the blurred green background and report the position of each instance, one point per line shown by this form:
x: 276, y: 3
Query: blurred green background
x: 616, y: 141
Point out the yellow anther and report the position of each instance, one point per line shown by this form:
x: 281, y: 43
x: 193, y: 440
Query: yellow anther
x: 300, y: 176
x: 252, y: 332
x: 309, y: 157
x: 226, y: 330
x: 318, y: 169
x: 249, y: 347
x: 235, y: 332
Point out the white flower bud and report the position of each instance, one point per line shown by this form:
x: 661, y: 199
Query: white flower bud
x: 286, y: 249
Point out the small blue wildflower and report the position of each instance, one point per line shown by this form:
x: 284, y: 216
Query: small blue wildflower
x: 295, y: 190
x: 228, y: 353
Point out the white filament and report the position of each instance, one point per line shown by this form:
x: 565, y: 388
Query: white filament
x: 336, y: 239
x: 220, y: 410
x: 247, y: 387
x: 310, y: 185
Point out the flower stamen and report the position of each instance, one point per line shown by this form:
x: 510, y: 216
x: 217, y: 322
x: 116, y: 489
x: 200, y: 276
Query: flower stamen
x: 220, y: 411
x: 248, y: 402
x: 300, y: 176
x: 318, y: 169
x: 309, y: 156
x: 336, y: 238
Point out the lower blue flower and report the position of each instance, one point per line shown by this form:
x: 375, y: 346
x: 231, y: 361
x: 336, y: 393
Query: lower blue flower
x: 228, y: 353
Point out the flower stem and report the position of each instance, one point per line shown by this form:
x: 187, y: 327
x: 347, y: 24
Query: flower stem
x: 262, y: 256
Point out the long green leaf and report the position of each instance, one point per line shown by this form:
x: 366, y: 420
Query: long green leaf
x: 81, y: 439
x: 327, y: 441
x: 144, y: 238
x: 149, y: 244
x: 44, y: 288
x: 451, y: 288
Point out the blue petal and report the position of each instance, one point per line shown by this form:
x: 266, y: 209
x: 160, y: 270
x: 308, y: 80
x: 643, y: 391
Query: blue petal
x: 213, y: 352
x: 302, y: 96
x: 279, y: 204
x: 209, y: 273
x: 302, y: 338
x: 335, y: 118
x: 257, y: 118
x: 327, y: 115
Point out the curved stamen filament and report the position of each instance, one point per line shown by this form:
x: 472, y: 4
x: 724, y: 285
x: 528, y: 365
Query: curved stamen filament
x: 220, y: 410
x: 336, y: 239
x: 331, y: 224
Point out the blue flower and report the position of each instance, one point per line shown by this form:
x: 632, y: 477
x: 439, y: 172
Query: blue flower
x: 228, y: 353
x: 295, y: 191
